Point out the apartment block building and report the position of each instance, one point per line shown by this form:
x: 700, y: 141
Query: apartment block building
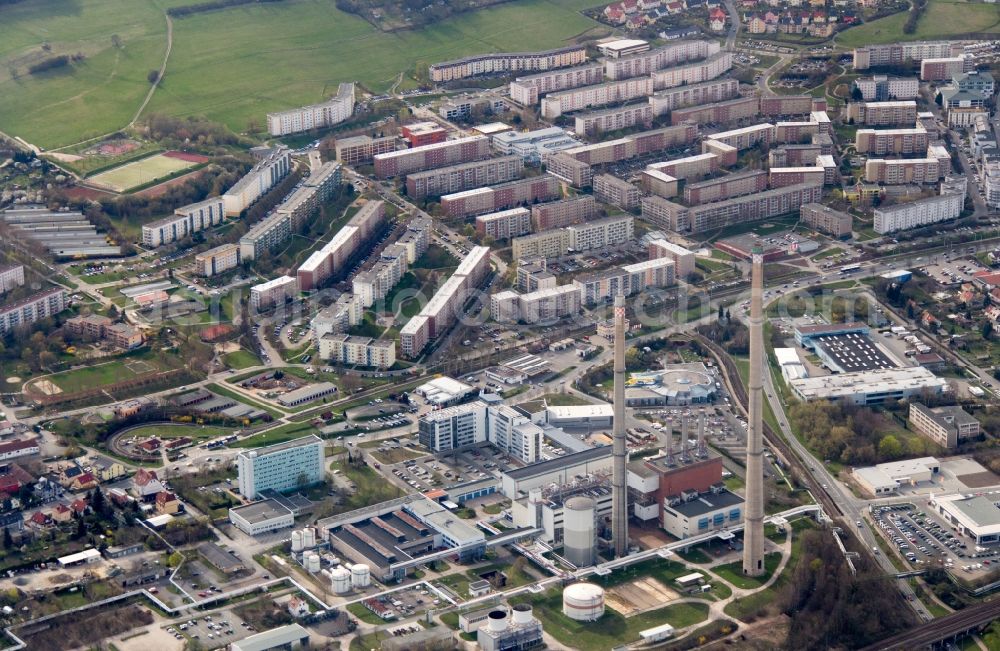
x: 363, y: 149
x: 613, y: 119
x: 645, y: 63
x: 339, y: 317
x: 281, y: 467
x: 780, y: 177
x: 882, y: 88
x: 217, y: 260
x: 945, y: 68
x: 637, y: 144
x: 693, y: 73
x: 316, y: 116
x: 420, y: 134
x: 794, y: 132
x: 826, y: 220
x: 698, y: 219
x: 31, y: 309
x: 374, y: 284
x: 185, y: 221
x: 533, y: 274
x: 557, y: 214
x: 708, y: 92
x: 728, y: 155
x: 891, y: 141
x: 97, y: 327
x: 351, y: 350
x: 883, y: 114
x: 614, y: 191
x: 266, y: 174
x: 725, y: 187
x: 610, y: 231
x: 529, y: 89
x: 891, y: 54
x: 546, y: 244
x: 784, y: 105
x: 575, y: 172
x: 462, y: 108
x: 11, y: 276
x: 501, y: 62
x: 505, y: 224
x: 659, y: 212
x: 576, y: 99
x: 440, y: 154
x: 500, y: 197
x: 946, y: 426
x: 653, y: 273
x: 683, y: 259
x: 746, y: 137
x: 266, y: 236
x: 727, y: 112
x: 464, y: 176
x: 331, y: 258
x: 539, y: 306
x: 914, y: 214
x: 274, y: 292
x: 904, y: 171
x: 416, y: 238
x: 654, y: 181
x: 689, y: 167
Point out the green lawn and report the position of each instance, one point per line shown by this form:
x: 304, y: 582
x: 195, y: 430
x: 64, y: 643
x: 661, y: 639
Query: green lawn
x: 241, y: 359
x: 276, y: 435
x: 165, y: 431
x: 372, y: 487
x: 235, y: 64
x: 941, y: 20
x: 733, y: 572
x: 118, y: 370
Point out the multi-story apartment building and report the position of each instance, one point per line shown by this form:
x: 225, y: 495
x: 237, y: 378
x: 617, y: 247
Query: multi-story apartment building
x: 783, y: 105
x: 891, y: 54
x: 557, y: 214
x: 826, y: 220
x: 656, y: 272
x: 602, y: 286
x: 529, y: 89
x: 727, y: 112
x: 331, y: 258
x: 914, y: 214
x: 883, y: 114
x: 455, y: 178
x: 539, y: 306
x: 746, y: 137
x: 708, y: 92
x: 610, y: 231
x: 576, y: 99
x: 501, y: 197
x: 266, y: 236
x: 882, y: 88
x: 728, y: 155
x: 416, y: 239
x: 689, y: 167
x: 266, y: 174
x: 789, y: 155
x: 693, y: 73
x: 613, y: 190
x: 613, y: 119
x: 684, y: 260
x: 794, y: 132
x: 546, y: 244
x: 725, y: 187
x: 272, y: 293
x: 350, y: 350
x: 217, y: 260
x: 281, y: 467
x: 31, y: 309
x: 185, y: 221
x: 420, y: 134
x: 975, y: 81
x: 315, y: 116
x: 904, y: 171
x: 11, y: 276
x: 362, y: 149
x: 339, y: 317
x: 575, y: 172
x: 440, y: 154
x: 645, y: 63
x: 637, y: 144
x: 374, y: 284
x: 780, y: 177
x: 533, y: 274
x: 891, y: 141
x: 654, y: 181
x: 946, y: 426
x: 945, y: 68
x: 462, y: 108
x: 502, y: 62
x: 505, y: 224
x: 712, y: 216
x: 659, y: 212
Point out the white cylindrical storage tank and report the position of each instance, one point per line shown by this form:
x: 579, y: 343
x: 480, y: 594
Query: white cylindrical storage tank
x: 583, y: 602
x: 296, y: 541
x: 522, y: 614
x: 312, y: 562
x: 308, y: 538
x: 497, y: 620
x: 579, y: 531
x: 361, y: 576
x: 340, y: 580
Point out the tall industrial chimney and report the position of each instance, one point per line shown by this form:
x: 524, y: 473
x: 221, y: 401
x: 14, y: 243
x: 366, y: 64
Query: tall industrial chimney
x: 753, y: 532
x: 702, y: 447
x: 619, y: 495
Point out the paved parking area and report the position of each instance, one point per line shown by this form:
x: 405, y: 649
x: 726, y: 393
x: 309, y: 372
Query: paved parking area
x: 213, y: 630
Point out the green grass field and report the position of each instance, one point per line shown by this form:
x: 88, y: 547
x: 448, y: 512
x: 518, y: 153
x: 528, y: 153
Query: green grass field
x: 241, y: 359
x: 140, y: 172
x: 108, y: 373
x: 941, y: 20
x: 164, y: 431
x: 231, y: 65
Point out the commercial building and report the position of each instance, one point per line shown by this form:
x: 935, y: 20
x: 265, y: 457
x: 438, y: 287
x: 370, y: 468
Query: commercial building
x: 886, y: 478
x: 901, y: 113
x: 707, y: 92
x: 613, y: 119
x: 945, y: 67
x: 357, y: 351
x: 576, y: 99
x: 534, y: 146
x: 439, y: 154
x: 891, y: 141
x: 763, y: 205
x: 870, y: 387
x: 882, y: 88
x: 558, y: 214
x: 684, y: 260
x: 290, y: 638
x: 914, y: 214
x: 331, y: 258
x: 274, y: 292
x: 676, y: 385
x: 261, y: 517
x: 315, y: 116
x: 11, y: 276
x: 34, y: 308
x: 18, y: 448
x: 616, y: 192
x: 217, y: 260
x: 455, y: 178
x: 827, y: 220
x: 185, y: 221
x: 645, y: 63
x: 693, y: 73
x: 505, y: 224
x: 357, y: 150
x: 891, y: 54
x: 975, y: 516
x: 504, y: 62
x: 500, y: 197
x: 280, y: 467
x: 528, y: 90
x: 946, y: 426
x: 266, y: 174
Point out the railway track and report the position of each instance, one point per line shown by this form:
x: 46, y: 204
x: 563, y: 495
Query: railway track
x: 940, y: 629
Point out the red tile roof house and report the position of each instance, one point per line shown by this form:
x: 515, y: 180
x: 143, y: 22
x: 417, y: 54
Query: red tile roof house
x: 146, y: 485
x: 18, y: 448
x: 39, y: 519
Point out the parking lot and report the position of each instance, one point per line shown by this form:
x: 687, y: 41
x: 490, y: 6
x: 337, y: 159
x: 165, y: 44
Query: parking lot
x: 212, y: 630
x: 958, y: 270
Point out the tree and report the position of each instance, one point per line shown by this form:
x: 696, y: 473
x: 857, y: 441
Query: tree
x: 856, y: 94
x: 153, y: 76
x: 174, y: 559
x: 987, y: 329
x: 8, y: 541
x: 721, y: 312
x: 729, y: 315
x: 116, y: 41
x: 890, y: 447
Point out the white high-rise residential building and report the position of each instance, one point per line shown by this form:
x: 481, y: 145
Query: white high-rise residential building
x: 948, y: 205
x: 281, y: 467
x: 316, y: 116
x: 11, y: 276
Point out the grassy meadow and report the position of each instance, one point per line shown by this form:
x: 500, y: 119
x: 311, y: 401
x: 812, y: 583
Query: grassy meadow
x: 942, y: 19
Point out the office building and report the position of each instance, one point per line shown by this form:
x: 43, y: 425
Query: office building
x: 885, y: 478
x: 946, y: 426
x: 261, y: 517
x: 217, y: 260
x: 281, y: 467
x: 36, y: 307
x: 316, y: 116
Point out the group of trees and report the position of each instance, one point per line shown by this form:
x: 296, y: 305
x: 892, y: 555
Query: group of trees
x: 916, y: 11
x: 193, y: 130
x: 416, y: 13
x: 732, y: 336
x: 202, y: 7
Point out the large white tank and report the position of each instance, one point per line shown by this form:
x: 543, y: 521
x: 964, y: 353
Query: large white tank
x: 361, y: 576
x: 312, y: 562
x: 583, y: 602
x: 296, y: 541
x: 497, y: 620
x: 579, y: 530
x: 522, y: 614
x: 340, y: 580
x: 308, y: 538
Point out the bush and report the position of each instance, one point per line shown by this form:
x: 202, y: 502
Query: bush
x: 51, y: 63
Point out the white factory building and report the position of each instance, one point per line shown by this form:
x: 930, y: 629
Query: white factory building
x: 870, y: 387
x: 976, y: 516
x: 885, y: 478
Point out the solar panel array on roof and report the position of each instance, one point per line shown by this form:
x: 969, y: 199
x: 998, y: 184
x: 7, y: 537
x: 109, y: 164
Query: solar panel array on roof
x: 853, y: 352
